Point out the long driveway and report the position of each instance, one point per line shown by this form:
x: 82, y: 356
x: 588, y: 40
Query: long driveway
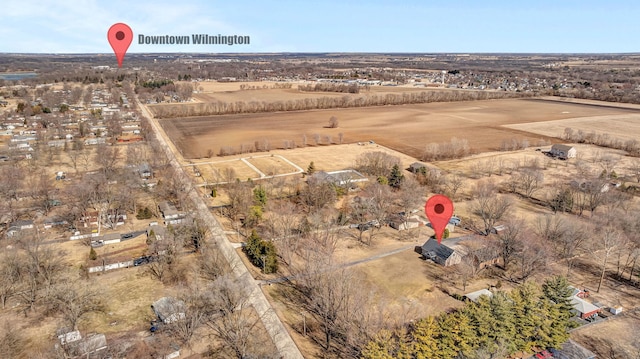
x: 284, y: 343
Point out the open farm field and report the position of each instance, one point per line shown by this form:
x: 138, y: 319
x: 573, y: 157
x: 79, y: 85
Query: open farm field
x: 622, y: 126
x: 407, y: 128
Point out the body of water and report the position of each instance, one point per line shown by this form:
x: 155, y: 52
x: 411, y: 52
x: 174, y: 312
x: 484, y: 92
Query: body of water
x: 12, y: 76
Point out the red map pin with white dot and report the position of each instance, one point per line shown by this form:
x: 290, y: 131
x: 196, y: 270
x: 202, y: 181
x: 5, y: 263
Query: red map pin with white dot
x: 439, y: 210
x: 120, y: 37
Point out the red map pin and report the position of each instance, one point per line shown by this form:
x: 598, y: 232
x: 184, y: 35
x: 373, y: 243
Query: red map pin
x: 439, y: 210
x: 120, y: 37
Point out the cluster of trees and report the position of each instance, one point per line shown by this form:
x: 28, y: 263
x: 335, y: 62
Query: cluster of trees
x: 515, y: 144
x: 156, y: 84
x: 330, y: 87
x: 239, y: 107
x: 157, y: 90
x: 279, y: 85
x: 455, y: 148
x: 216, y: 305
x: 36, y: 279
x: 523, y: 319
x: 265, y: 145
x: 261, y: 253
x: 632, y: 146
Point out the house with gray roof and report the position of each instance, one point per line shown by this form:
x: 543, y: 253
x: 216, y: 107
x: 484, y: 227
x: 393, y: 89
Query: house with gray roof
x: 439, y: 253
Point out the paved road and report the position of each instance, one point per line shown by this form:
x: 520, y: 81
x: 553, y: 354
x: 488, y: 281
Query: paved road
x: 284, y: 343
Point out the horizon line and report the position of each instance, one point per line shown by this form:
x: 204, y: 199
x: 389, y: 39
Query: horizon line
x: 317, y: 53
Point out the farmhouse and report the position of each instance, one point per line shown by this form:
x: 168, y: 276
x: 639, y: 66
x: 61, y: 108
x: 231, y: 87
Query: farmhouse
x: 439, y: 253
x: 563, y: 151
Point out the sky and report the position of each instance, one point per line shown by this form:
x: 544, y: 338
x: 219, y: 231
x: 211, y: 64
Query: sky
x: 419, y: 26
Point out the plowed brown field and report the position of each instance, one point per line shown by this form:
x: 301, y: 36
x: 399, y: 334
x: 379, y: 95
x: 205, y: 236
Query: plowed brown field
x: 407, y: 128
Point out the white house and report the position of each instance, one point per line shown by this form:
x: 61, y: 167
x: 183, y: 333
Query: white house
x: 563, y: 151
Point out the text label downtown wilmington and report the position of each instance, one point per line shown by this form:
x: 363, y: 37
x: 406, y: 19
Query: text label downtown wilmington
x: 195, y: 39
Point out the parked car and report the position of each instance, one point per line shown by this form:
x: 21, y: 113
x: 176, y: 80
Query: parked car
x: 455, y: 221
x: 142, y: 260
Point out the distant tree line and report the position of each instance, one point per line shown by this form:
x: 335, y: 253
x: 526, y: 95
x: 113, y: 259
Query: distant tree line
x: 239, y: 107
x: 329, y: 87
x: 632, y: 146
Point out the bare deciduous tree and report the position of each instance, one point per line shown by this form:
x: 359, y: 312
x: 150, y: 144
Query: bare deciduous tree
x: 608, y: 239
x: 376, y: 163
x: 333, y: 122
x: 233, y: 320
x: 489, y: 205
x: 533, y: 256
x: 74, y: 299
x: 529, y: 181
x: 511, y: 239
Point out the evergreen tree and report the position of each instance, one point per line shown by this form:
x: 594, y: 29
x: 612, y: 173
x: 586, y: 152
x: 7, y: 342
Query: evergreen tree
x: 311, y: 169
x: 424, y: 343
x: 552, y: 329
x: 92, y: 254
x: 505, y: 326
x: 261, y: 253
x: 526, y: 313
x: 455, y: 335
x: 557, y: 290
x: 270, y: 257
x: 260, y: 196
x: 253, y: 248
x: 396, y: 177
x: 383, y: 346
x: 482, y: 320
x: 562, y: 202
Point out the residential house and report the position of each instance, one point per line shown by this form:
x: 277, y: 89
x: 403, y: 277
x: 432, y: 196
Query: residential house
x: 439, y: 253
x: 91, y: 344
x: 170, y: 213
x: 69, y: 337
x: 19, y: 226
x: 485, y: 257
x: 168, y: 309
x: 77, y: 346
x: 563, y: 151
x: 145, y: 170
x: 344, y: 178
x: 399, y: 223
x: 159, y: 232
x: 113, y: 217
x: 581, y: 307
x: 54, y: 221
x: 473, y: 296
x: 89, y: 219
